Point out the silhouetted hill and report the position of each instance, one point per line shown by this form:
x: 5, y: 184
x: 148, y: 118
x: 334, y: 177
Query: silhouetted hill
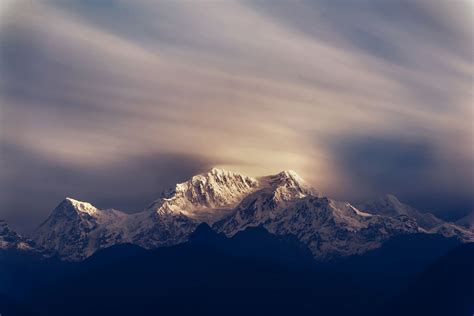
x: 9, y: 307
x: 254, y: 272
x: 112, y: 255
x: 256, y: 244
x: 23, y: 272
x: 445, y: 288
x: 380, y: 274
x: 398, y: 260
x: 208, y: 275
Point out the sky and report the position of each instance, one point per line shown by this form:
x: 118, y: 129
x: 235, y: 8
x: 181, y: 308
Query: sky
x: 113, y: 101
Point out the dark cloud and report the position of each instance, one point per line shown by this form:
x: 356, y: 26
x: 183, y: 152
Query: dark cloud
x: 386, y: 163
x: 409, y: 168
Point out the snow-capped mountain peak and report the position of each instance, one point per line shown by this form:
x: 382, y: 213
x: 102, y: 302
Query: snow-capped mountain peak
x: 71, y: 206
x: 389, y: 205
x: 290, y: 174
x: 287, y: 185
x: 76, y: 229
x: 286, y: 177
x: 217, y: 189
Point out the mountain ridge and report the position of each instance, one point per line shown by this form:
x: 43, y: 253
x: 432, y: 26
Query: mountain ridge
x: 11, y: 240
x: 389, y: 205
x: 230, y: 202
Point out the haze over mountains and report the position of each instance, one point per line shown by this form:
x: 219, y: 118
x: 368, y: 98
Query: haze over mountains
x: 283, y: 204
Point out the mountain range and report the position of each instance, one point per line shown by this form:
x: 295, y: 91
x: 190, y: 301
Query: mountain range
x: 283, y: 204
x: 223, y: 242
